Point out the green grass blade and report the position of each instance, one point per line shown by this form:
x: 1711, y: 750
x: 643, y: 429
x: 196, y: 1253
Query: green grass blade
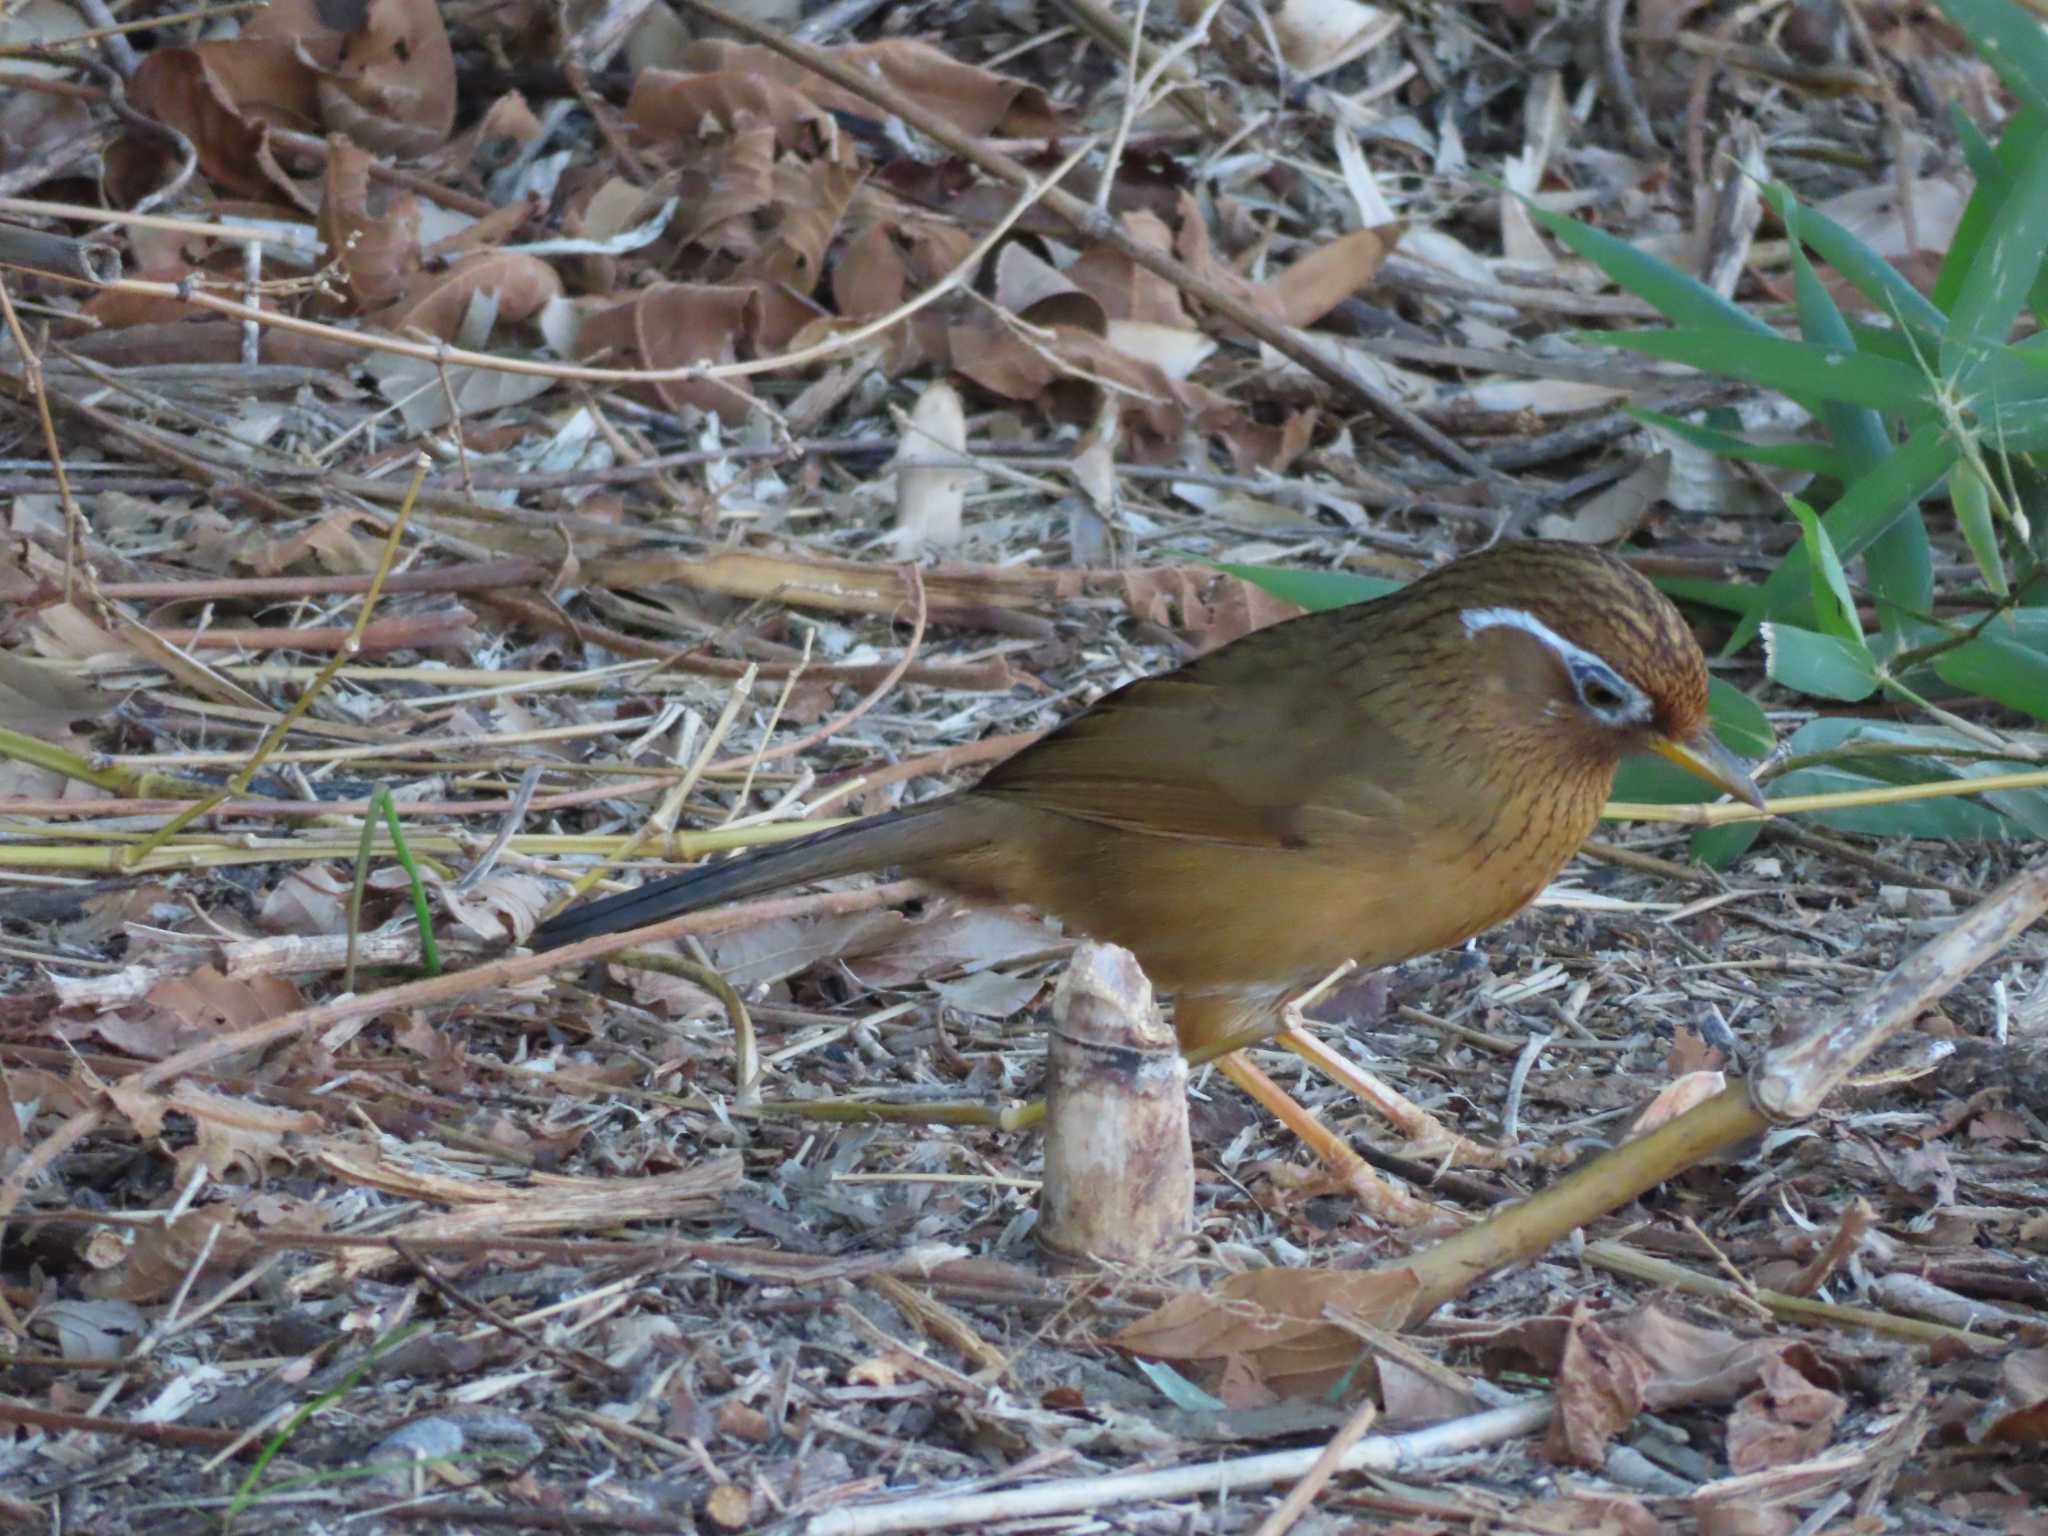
x: 430, y: 953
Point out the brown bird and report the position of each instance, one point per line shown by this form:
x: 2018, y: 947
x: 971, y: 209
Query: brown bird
x: 1368, y: 784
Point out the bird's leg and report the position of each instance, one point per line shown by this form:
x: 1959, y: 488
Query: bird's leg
x: 1204, y: 1017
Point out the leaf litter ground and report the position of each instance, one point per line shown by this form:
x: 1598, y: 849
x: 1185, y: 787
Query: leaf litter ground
x: 531, y: 1256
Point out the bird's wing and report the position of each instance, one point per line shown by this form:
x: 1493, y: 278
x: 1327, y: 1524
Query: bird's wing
x: 1247, y: 746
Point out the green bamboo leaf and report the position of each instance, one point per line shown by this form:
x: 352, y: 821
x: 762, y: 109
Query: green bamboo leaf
x: 1825, y: 666
x: 1678, y: 296
x: 1834, y: 605
x: 2013, y: 674
x: 1799, y: 369
x: 1951, y: 818
x: 1314, y: 590
x: 2016, y: 426
x: 1998, y: 285
x: 1970, y: 496
x: 1911, y: 348
x: 1869, y: 273
x: 1808, y: 458
x: 2008, y: 39
x: 1899, y: 564
x: 1728, y: 596
x: 1739, y: 720
x: 1861, y: 514
x: 1719, y: 847
x: 2019, y: 146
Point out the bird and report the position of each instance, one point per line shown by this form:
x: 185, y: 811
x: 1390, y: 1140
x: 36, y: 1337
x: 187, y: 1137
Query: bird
x: 1367, y: 783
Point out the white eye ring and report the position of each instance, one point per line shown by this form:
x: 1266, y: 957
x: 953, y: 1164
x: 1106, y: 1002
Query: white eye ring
x: 1602, y: 692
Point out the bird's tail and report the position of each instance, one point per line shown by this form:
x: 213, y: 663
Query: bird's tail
x: 908, y: 837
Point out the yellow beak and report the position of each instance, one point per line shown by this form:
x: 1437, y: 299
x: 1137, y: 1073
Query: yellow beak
x: 1703, y: 754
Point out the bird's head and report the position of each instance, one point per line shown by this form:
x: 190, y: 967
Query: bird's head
x: 1580, y: 649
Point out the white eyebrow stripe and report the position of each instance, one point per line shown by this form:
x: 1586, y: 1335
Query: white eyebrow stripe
x: 1477, y: 620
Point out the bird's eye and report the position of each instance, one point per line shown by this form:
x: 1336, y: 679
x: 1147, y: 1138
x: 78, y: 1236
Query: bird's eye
x: 1603, y: 693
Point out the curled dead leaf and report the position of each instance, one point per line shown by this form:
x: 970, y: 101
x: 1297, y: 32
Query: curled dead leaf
x: 372, y: 232
x: 974, y: 100
x: 516, y: 284
x: 1600, y: 1382
x: 1272, y: 1320
x: 673, y: 325
x: 1787, y: 1419
x: 384, y: 73
x: 668, y: 105
x: 221, y: 96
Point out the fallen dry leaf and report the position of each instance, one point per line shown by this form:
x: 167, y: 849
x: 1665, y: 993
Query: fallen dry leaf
x: 1600, y: 1382
x: 1786, y: 1419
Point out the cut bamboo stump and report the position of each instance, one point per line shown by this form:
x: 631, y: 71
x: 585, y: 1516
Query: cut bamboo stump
x: 1119, y: 1169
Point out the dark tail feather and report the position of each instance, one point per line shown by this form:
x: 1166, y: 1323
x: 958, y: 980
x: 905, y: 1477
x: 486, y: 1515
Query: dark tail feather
x: 900, y: 837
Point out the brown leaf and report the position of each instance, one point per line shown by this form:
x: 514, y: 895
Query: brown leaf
x: 668, y: 105
x: 812, y: 200
x: 1743, y: 1517
x: 39, y: 700
x: 200, y: 1005
x: 386, y: 73
x: 1692, y: 1366
x: 373, y: 232
x: 519, y: 283
x: 674, y: 324
x: 1787, y: 1419
x: 1273, y: 1320
x: 737, y: 182
x: 222, y: 96
x: 1125, y: 290
x: 161, y: 1257
x: 956, y: 937
x: 504, y: 905
x: 1675, y: 1098
x: 2021, y: 1409
x: 310, y: 900
x: 1207, y: 609
x: 1599, y: 1392
x: 976, y: 101
x: 1198, y: 253
x: 869, y: 277
x: 1328, y: 275
x: 1587, y: 1514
